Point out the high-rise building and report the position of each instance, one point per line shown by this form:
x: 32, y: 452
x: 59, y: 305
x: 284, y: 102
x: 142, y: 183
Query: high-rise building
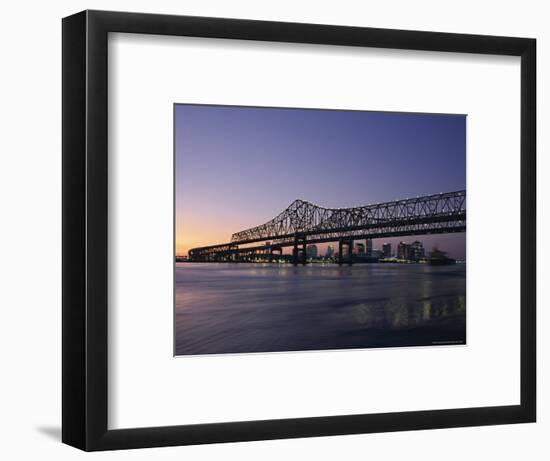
x: 359, y: 249
x: 386, y: 250
x: 330, y: 252
x: 403, y: 250
x: 369, y: 247
x: 416, y: 251
x: 311, y: 251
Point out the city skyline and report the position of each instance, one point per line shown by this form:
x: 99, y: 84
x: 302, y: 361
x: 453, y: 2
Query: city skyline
x: 237, y: 166
x: 383, y: 250
x: 361, y: 246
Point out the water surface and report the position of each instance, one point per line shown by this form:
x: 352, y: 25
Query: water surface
x: 238, y: 308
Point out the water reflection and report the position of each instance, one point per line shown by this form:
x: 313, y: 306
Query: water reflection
x: 225, y: 308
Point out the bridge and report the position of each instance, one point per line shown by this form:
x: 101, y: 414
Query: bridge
x: 304, y: 223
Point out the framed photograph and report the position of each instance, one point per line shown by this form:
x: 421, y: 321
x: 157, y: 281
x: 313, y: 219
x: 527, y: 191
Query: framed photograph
x: 277, y: 230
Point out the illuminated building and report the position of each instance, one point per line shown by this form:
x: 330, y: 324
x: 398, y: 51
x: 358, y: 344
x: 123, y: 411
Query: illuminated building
x: 311, y: 251
x: 369, y: 247
x: 416, y: 251
x: 403, y: 250
x: 386, y: 250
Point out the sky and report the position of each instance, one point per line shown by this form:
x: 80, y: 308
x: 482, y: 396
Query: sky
x: 238, y: 167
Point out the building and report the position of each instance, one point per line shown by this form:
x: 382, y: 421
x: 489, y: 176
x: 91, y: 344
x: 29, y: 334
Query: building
x: 330, y: 252
x: 416, y: 251
x: 369, y: 247
x: 359, y: 249
x: 403, y: 250
x: 311, y: 251
x: 376, y: 254
x: 386, y: 250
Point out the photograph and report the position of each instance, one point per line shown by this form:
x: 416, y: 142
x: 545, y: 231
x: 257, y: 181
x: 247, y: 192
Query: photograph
x: 301, y: 229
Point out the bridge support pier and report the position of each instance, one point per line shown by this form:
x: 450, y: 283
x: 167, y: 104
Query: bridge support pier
x: 299, y: 255
x: 273, y: 250
x: 345, y: 243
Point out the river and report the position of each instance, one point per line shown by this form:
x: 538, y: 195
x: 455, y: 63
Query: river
x: 241, y: 308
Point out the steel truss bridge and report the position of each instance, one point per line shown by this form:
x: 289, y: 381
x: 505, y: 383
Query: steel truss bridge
x: 304, y: 223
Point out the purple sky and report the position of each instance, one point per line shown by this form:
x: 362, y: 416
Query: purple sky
x: 237, y: 167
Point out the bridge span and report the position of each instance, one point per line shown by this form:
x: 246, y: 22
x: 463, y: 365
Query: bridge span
x: 304, y: 223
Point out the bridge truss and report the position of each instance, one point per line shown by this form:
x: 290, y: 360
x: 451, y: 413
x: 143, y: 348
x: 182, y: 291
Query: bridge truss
x: 305, y: 222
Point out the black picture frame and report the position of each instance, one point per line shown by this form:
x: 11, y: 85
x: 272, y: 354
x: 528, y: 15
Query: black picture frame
x: 85, y: 219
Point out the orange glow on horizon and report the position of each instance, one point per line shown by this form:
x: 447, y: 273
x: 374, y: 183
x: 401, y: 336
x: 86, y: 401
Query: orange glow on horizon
x: 199, y: 229
x: 189, y: 239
